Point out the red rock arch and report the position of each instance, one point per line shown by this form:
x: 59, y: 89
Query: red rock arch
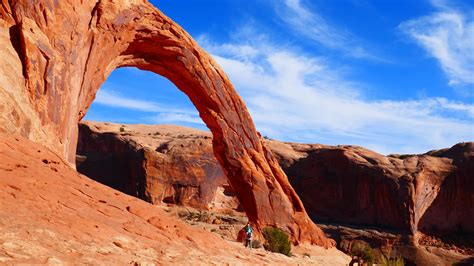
x: 67, y: 49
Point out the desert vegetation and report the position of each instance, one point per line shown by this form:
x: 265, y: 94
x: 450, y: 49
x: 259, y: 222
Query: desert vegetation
x: 276, y: 240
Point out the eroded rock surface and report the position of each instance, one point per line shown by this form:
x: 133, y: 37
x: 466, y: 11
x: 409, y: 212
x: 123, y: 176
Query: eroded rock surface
x: 50, y: 214
x: 56, y: 54
x: 430, y: 192
x: 169, y: 164
x: 388, y: 200
x: 420, y: 207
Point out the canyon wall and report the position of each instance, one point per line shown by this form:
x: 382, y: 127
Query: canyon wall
x: 159, y: 164
x: 431, y: 193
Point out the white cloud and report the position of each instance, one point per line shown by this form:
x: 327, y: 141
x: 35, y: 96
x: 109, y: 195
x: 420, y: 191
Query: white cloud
x: 295, y: 97
x: 161, y: 114
x: 448, y: 36
x: 108, y: 98
x: 177, y: 117
x: 315, y: 27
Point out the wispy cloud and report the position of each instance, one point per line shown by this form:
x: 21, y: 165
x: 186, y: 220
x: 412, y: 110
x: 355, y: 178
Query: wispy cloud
x: 448, y: 36
x: 112, y: 99
x: 297, y: 97
x: 177, y: 117
x: 315, y: 27
x: 159, y: 113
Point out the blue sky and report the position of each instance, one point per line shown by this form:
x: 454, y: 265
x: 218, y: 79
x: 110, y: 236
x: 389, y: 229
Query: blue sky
x: 395, y: 76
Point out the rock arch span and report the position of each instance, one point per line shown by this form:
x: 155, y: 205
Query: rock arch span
x: 56, y: 55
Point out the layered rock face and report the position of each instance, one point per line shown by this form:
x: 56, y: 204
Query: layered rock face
x: 416, y: 206
x: 431, y: 193
x: 349, y: 184
x: 169, y: 164
x: 53, y: 62
x: 453, y: 207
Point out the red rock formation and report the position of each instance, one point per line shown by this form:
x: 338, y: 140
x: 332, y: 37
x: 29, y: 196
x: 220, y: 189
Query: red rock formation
x: 50, y: 214
x: 169, y: 164
x: 54, y: 62
x: 453, y: 208
x: 350, y: 185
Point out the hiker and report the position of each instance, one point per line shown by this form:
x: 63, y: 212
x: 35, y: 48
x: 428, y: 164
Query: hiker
x: 248, y: 236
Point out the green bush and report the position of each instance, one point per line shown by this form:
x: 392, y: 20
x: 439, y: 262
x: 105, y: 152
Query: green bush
x: 276, y: 241
x: 365, y: 252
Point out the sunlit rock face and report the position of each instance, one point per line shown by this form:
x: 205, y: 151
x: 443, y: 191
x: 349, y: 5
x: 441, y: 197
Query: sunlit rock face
x: 56, y: 54
x: 351, y: 185
x: 408, y: 204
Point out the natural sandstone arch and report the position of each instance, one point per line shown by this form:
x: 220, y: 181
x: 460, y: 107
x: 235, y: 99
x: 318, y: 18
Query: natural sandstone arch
x: 58, y: 53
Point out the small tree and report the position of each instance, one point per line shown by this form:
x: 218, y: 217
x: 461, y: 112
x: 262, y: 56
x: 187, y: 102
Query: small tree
x: 276, y: 241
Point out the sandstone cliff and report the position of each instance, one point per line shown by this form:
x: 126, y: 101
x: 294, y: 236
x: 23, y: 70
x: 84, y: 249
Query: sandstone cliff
x: 169, y: 164
x: 349, y: 184
x: 53, y: 62
x: 388, y: 201
x: 418, y: 195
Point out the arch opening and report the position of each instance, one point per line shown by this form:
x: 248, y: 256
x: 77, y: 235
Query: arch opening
x: 151, y: 145
x: 59, y: 78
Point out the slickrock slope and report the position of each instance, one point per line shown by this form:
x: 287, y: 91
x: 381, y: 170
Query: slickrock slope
x: 50, y: 214
x: 53, y: 62
x: 409, y: 198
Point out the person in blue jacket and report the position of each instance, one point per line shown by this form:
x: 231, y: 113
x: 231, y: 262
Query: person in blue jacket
x: 248, y: 235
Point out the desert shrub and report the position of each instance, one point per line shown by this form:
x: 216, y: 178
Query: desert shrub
x: 122, y: 129
x: 363, y: 251
x: 276, y: 241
